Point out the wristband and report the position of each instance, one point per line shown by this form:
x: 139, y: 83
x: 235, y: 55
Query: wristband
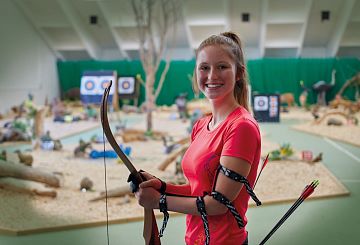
x: 163, y: 209
x: 162, y: 187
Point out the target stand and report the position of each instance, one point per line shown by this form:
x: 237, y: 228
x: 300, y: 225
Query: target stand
x: 128, y: 88
x: 266, y: 107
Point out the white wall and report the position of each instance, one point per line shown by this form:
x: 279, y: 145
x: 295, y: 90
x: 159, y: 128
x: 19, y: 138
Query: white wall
x: 27, y: 65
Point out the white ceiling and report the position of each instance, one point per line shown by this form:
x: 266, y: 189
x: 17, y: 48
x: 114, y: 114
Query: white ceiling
x: 277, y: 28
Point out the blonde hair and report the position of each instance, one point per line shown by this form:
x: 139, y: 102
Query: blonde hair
x: 231, y: 43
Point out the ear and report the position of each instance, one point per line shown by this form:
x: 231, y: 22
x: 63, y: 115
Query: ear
x: 240, y: 73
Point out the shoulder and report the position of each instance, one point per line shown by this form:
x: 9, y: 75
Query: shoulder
x: 198, y: 125
x: 244, y: 121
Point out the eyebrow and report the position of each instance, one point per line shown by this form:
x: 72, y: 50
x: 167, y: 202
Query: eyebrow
x: 219, y: 62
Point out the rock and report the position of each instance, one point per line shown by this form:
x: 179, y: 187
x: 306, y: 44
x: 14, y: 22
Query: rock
x: 86, y: 184
x: 335, y: 122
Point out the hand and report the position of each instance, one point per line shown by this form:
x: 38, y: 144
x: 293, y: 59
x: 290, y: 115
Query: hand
x: 134, y: 185
x: 151, y: 181
x: 147, y: 197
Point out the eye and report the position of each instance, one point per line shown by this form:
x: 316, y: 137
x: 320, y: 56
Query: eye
x: 203, y: 68
x: 222, y: 67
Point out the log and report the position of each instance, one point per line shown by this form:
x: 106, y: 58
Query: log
x: 25, y: 186
x: 20, y: 171
x: 318, y: 121
x: 172, y: 157
x: 117, y: 192
x: 183, y: 141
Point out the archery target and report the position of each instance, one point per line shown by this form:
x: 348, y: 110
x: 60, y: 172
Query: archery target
x: 266, y: 107
x: 104, y: 82
x: 89, y: 85
x: 261, y: 103
x: 126, y: 85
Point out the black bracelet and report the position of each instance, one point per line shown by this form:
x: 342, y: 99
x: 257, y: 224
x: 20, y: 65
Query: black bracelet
x: 162, y: 187
x: 163, y: 209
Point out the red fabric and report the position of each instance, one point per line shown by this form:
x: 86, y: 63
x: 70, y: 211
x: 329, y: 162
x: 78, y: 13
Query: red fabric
x: 183, y: 190
x: 238, y: 136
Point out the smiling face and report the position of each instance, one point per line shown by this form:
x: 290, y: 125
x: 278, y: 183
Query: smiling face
x: 215, y: 73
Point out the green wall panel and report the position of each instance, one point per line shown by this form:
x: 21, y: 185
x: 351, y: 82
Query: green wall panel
x: 265, y: 75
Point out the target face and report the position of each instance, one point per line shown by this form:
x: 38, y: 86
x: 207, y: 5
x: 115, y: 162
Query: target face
x: 104, y: 83
x: 126, y: 85
x: 88, y: 85
x: 261, y: 103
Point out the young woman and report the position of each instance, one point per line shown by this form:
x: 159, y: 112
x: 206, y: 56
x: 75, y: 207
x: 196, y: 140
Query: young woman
x: 222, y: 160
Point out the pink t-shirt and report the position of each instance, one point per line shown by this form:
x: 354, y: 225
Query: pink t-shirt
x: 237, y: 136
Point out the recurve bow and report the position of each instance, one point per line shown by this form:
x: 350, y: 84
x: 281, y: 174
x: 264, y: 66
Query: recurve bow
x: 150, y: 233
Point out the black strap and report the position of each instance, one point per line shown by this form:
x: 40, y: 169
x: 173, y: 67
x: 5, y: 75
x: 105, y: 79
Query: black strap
x: 162, y: 187
x: 134, y: 185
x: 222, y: 199
x: 200, y: 204
x: 239, y: 178
x: 163, y: 209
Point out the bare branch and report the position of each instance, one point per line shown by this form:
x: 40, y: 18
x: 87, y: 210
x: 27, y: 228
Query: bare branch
x: 147, y: 12
x: 167, y: 65
x: 162, y: 79
x: 139, y: 78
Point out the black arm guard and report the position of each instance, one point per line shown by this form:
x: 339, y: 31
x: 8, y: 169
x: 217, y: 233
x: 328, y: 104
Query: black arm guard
x: 200, y: 204
x: 239, y: 178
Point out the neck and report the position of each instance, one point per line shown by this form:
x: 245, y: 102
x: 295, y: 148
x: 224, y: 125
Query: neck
x: 221, y: 110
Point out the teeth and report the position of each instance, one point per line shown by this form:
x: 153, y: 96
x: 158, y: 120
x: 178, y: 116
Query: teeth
x: 213, y: 85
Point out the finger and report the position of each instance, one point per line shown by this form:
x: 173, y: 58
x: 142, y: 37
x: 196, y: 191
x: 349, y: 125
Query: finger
x: 154, y: 183
x: 137, y: 195
x: 147, y: 175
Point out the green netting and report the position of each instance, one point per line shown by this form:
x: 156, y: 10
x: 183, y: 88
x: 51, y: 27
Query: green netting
x: 265, y: 75
x: 284, y: 75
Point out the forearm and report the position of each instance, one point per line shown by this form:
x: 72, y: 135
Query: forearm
x: 187, y: 205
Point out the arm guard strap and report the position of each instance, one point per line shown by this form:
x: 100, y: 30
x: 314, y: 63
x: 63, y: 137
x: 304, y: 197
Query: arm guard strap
x: 223, y: 200
x: 200, y: 204
x: 239, y: 178
x: 163, y: 209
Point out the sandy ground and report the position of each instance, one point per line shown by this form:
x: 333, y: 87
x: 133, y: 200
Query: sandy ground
x: 348, y: 133
x: 22, y: 213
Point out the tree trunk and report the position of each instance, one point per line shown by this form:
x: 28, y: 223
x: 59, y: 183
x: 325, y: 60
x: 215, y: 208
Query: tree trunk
x: 150, y: 103
x: 39, y: 122
x: 115, y: 98
x: 20, y: 171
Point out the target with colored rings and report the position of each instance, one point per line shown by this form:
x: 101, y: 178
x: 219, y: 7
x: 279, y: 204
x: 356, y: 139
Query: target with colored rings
x: 261, y: 103
x: 104, y: 84
x: 89, y: 85
x: 126, y: 85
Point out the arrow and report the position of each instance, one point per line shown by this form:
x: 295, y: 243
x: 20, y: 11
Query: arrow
x: 309, y: 189
x: 262, y: 167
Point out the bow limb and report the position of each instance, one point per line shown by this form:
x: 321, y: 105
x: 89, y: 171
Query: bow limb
x: 151, y: 233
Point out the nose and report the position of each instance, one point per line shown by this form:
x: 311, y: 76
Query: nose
x: 213, y: 75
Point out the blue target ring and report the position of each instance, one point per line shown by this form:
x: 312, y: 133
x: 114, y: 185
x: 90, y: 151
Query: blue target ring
x: 89, y: 85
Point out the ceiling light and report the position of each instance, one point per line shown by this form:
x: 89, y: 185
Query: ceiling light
x: 245, y: 17
x: 325, y: 15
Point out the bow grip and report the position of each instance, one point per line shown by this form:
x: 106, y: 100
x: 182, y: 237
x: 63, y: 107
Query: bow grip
x: 135, y: 179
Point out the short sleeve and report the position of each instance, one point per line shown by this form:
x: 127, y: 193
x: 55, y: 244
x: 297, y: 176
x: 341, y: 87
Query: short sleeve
x: 242, y: 139
x: 195, y: 129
